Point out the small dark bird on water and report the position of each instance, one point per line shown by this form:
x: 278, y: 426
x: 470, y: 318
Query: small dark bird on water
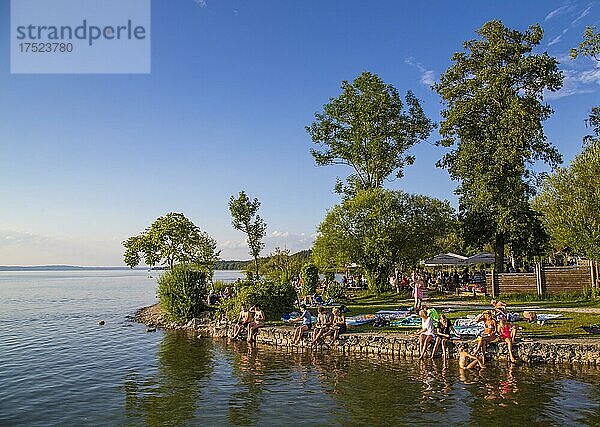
x: 101, y: 323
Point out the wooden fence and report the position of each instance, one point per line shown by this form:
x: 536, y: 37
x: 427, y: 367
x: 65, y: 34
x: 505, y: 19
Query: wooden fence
x: 545, y: 280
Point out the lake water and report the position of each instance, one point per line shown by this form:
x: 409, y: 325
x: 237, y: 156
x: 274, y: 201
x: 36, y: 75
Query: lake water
x: 59, y: 367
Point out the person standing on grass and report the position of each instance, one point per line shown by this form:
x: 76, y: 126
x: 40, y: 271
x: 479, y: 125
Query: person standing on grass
x: 394, y: 283
x: 418, y: 292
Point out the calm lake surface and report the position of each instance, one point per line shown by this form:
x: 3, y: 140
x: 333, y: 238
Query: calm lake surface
x: 59, y: 367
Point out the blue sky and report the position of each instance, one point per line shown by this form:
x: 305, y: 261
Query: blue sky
x: 88, y: 160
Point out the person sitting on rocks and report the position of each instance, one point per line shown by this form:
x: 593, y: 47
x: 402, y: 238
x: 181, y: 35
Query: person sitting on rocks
x: 322, y: 326
x: 427, y: 334
x: 443, y: 335
x: 489, y: 333
x: 507, y: 334
x: 244, y: 319
x: 338, y: 325
x: 306, y: 319
x: 256, y: 324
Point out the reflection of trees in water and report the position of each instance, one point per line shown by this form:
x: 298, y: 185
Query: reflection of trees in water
x: 526, y: 394
x: 352, y: 390
x: 253, y: 366
x: 169, y: 397
x: 368, y: 393
x: 250, y: 370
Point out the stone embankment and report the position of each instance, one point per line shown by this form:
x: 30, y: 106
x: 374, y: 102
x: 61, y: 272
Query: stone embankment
x: 558, y: 351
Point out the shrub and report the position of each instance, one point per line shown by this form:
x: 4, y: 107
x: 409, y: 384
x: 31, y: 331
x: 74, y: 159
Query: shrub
x: 182, y: 292
x: 310, y: 278
x: 336, y: 291
x: 219, y: 285
x: 275, y: 299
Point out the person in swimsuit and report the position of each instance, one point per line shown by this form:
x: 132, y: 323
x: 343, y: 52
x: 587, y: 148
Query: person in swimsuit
x: 322, y: 326
x: 489, y: 333
x: 507, y: 334
x: 443, y: 335
x: 427, y: 334
x: 418, y: 292
x: 468, y: 361
x: 254, y: 326
x: 338, y: 325
x: 306, y: 319
x: 244, y: 319
x: 499, y: 309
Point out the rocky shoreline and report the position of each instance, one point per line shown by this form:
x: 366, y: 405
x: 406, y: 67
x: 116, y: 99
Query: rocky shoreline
x: 556, y: 351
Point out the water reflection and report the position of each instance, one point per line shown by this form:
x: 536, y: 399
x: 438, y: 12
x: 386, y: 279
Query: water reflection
x: 170, y: 395
x: 206, y: 382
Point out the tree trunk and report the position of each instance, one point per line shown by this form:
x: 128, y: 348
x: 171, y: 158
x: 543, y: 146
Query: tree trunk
x: 499, y: 250
x: 256, y: 268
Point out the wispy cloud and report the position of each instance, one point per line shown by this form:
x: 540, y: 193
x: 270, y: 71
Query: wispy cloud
x: 556, y: 12
x: 232, y: 244
x: 26, y: 248
x: 427, y: 76
x: 582, y: 15
x: 238, y: 249
x: 558, y: 38
x: 12, y: 237
x: 575, y: 83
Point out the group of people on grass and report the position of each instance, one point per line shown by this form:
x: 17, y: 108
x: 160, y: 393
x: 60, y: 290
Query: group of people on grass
x: 421, y: 280
x: 437, y: 330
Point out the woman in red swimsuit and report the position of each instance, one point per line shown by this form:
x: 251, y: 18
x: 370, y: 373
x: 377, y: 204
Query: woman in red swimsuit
x: 507, y: 334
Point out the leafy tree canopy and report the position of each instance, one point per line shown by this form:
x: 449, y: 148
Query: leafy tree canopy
x: 369, y: 129
x: 171, y: 239
x: 245, y: 218
x: 379, y: 229
x: 590, y: 46
x: 569, y: 204
x: 493, y: 96
x: 310, y: 278
x: 281, y: 267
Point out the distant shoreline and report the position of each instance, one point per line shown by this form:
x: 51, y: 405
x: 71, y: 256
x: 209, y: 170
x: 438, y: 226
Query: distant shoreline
x: 77, y: 268
x: 59, y: 268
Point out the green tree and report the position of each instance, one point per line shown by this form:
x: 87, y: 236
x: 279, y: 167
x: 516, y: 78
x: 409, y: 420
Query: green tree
x: 378, y: 229
x: 310, y: 278
x: 275, y: 299
x: 182, y: 292
x: 245, y: 218
x: 590, y: 46
x: 493, y: 96
x: 569, y: 203
x: 368, y: 129
x: 171, y: 239
x: 280, y: 266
